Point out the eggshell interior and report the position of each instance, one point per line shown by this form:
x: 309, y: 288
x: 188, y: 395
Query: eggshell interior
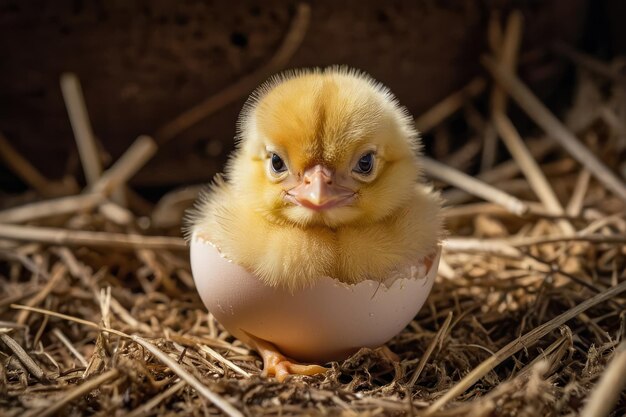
x: 328, y: 321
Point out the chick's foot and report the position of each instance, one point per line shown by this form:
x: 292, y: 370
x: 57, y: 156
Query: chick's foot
x: 279, y: 366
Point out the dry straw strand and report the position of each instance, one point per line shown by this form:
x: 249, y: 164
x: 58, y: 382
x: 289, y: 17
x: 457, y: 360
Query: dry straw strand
x: 202, y: 389
x: 606, y: 393
x: 553, y: 127
x: 79, y: 119
x: 525, y: 341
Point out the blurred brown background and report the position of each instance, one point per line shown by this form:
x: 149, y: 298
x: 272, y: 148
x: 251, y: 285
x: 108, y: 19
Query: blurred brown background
x: 142, y: 63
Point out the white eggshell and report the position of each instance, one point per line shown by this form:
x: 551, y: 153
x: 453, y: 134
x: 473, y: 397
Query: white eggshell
x: 328, y: 321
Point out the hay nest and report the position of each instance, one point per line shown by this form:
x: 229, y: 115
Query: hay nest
x: 99, y: 316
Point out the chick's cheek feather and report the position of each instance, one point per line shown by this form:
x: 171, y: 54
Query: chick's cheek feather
x: 316, y: 212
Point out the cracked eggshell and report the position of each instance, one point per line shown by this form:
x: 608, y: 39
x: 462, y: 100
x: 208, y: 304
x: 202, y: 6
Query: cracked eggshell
x: 328, y: 321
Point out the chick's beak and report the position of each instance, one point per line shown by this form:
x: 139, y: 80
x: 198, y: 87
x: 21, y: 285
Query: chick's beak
x: 318, y: 190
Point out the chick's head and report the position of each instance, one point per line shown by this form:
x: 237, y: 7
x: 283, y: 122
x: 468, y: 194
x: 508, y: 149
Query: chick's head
x: 325, y: 148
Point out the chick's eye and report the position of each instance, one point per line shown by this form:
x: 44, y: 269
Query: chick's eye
x: 365, y: 164
x: 278, y: 165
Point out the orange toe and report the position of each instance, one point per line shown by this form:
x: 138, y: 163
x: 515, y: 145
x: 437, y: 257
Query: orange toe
x: 278, y: 365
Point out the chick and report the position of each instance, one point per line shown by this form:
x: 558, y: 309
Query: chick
x: 325, y: 181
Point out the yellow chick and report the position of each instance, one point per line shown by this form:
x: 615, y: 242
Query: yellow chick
x: 325, y: 181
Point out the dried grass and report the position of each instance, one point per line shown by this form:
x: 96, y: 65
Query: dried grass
x: 99, y: 315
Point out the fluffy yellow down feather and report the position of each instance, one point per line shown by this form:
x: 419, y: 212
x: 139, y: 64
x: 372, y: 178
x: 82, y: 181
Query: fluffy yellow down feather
x: 326, y: 117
